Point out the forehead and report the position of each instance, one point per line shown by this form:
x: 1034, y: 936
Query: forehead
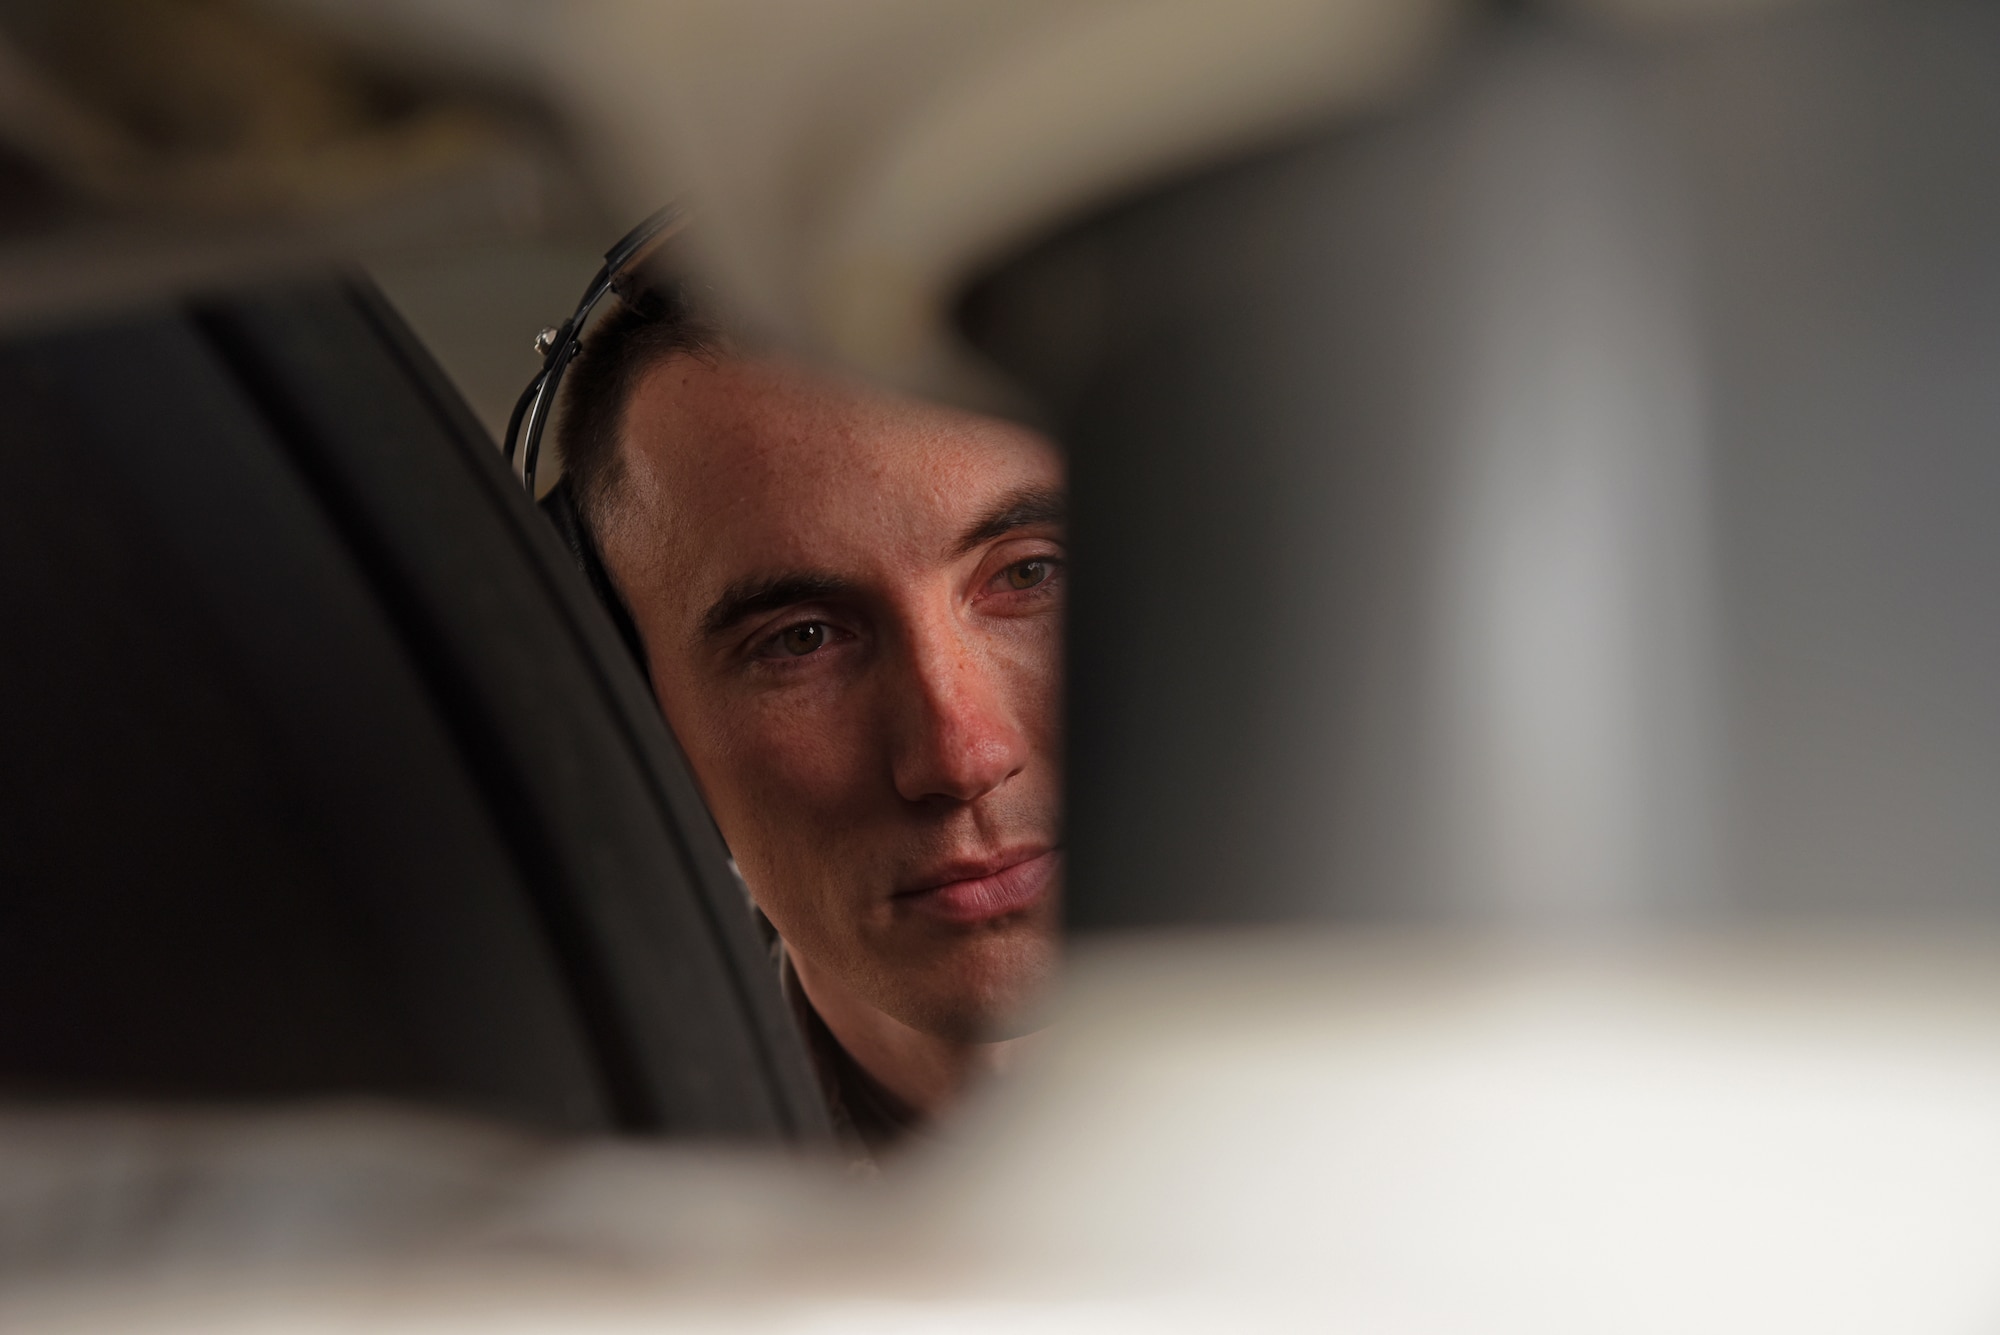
x: 736, y: 467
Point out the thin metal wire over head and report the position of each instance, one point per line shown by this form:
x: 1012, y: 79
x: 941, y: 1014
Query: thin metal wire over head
x: 559, y: 344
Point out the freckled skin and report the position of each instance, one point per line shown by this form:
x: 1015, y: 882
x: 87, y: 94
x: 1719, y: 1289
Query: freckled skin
x: 922, y: 721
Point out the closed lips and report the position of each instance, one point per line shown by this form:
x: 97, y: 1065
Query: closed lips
x: 974, y: 893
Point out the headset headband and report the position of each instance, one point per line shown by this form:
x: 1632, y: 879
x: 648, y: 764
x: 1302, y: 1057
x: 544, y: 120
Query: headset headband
x: 559, y: 344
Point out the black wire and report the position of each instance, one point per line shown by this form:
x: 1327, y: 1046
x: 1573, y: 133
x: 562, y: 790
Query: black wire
x: 545, y: 397
x: 520, y: 411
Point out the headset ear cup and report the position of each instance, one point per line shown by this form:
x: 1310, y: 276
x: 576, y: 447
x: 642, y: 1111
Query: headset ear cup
x: 560, y: 507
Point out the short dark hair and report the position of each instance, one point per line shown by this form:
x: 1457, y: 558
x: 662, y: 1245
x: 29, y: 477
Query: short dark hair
x: 655, y: 319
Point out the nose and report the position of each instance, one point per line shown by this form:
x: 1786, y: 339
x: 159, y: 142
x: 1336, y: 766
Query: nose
x: 956, y: 737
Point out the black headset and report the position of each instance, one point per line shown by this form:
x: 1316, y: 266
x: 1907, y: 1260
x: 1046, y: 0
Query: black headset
x: 559, y: 345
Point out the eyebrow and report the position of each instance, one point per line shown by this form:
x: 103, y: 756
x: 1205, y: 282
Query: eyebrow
x: 750, y: 597
x: 1026, y: 507
x: 1022, y: 508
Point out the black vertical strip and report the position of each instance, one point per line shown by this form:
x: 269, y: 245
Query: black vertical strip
x: 634, y: 1106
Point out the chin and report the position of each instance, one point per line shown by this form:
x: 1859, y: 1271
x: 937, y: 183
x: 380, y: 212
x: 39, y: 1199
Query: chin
x: 985, y: 991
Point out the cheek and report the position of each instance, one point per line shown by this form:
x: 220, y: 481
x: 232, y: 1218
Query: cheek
x: 1033, y: 662
x: 784, y: 761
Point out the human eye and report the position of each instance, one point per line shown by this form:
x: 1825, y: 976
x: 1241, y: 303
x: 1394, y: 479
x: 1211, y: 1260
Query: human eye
x: 799, y: 640
x: 1027, y: 574
x: 1031, y: 577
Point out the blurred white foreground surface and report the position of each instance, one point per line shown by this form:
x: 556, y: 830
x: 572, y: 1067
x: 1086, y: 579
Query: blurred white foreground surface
x: 1223, y: 1133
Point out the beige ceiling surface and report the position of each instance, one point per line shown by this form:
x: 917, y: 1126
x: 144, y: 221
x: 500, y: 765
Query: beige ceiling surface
x: 855, y: 160
x: 852, y: 161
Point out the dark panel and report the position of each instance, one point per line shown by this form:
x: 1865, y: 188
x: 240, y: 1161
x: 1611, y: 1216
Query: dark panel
x: 241, y: 856
x: 1565, y: 497
x: 322, y: 772
x: 572, y: 755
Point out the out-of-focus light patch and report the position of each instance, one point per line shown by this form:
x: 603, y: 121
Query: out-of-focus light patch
x: 1283, y: 1132
x: 1573, y: 755
x: 1715, y: 1139
x: 472, y: 1307
x: 981, y: 1317
x: 854, y: 162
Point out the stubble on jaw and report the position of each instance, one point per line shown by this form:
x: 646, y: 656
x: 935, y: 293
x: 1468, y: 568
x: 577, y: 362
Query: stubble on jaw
x: 983, y: 987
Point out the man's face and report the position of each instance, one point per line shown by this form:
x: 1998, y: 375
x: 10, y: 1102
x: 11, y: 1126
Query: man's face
x: 852, y: 609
